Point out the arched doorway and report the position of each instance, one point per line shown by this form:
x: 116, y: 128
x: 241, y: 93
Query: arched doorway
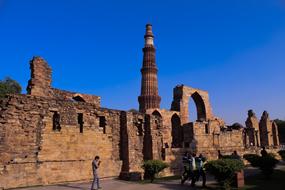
x: 200, y: 106
x: 176, y: 131
x: 192, y: 111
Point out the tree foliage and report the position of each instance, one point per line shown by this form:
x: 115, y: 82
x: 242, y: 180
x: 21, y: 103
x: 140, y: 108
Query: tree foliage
x: 9, y: 86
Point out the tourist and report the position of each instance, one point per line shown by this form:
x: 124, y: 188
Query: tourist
x: 186, y: 161
x: 185, y: 164
x: 193, y: 169
x: 263, y: 152
x: 95, y: 166
x: 201, y: 169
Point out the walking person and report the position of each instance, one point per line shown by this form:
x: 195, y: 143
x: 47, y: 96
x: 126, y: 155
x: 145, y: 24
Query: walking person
x: 201, y: 169
x: 185, y: 164
x: 95, y: 166
x: 186, y: 161
x: 193, y: 169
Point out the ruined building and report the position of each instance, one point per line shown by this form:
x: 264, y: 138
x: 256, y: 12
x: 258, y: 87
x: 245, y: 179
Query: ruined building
x: 51, y: 136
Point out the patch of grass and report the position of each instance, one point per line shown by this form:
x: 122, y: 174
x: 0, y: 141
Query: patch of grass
x: 258, y: 182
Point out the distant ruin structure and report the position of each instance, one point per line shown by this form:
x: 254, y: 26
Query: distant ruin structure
x: 50, y: 136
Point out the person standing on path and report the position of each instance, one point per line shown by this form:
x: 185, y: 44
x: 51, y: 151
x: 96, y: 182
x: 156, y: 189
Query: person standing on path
x: 95, y: 166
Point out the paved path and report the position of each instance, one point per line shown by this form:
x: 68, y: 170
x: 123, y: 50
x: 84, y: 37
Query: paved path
x: 112, y: 184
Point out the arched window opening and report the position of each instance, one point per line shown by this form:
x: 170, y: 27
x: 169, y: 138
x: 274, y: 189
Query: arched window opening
x: 200, y: 106
x: 78, y: 98
x: 192, y: 111
x: 156, y: 113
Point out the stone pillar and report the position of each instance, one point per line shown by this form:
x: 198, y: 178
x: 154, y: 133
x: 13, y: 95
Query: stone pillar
x: 252, y: 128
x: 265, y: 126
x: 275, y: 134
x: 40, y: 82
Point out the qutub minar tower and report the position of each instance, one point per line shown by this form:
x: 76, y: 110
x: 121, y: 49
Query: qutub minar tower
x: 149, y: 97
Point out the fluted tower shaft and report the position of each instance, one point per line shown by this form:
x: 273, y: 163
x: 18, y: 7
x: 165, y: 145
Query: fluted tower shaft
x: 149, y: 97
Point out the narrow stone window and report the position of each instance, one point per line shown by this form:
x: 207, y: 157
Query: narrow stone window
x: 102, y: 123
x: 140, y: 127
x: 207, y: 129
x: 80, y: 122
x: 56, y: 121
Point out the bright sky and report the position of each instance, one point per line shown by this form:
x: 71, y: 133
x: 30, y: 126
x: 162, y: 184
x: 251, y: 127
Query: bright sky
x: 233, y: 49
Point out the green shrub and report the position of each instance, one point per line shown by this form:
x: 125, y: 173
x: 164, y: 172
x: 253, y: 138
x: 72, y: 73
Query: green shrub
x: 265, y: 163
x: 224, y: 170
x: 253, y: 159
x: 152, y: 168
x: 282, y: 154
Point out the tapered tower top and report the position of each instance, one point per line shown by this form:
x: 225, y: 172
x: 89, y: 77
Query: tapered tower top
x: 148, y: 35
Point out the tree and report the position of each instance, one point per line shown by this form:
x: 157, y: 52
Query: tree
x: 9, y: 86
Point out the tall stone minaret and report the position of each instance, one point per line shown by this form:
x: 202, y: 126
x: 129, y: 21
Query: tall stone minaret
x: 149, y: 97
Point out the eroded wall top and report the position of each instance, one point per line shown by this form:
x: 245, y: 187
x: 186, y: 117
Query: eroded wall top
x: 40, y: 85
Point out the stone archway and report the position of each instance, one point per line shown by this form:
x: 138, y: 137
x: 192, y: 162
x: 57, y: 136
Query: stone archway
x: 156, y: 113
x: 200, y: 106
x: 181, y: 96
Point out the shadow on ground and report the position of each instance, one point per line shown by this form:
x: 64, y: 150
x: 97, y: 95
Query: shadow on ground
x: 258, y: 182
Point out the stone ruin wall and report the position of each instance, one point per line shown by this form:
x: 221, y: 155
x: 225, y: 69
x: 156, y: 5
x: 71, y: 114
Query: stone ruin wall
x: 32, y: 153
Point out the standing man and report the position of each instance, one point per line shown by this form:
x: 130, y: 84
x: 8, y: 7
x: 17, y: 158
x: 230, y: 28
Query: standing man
x: 95, y: 165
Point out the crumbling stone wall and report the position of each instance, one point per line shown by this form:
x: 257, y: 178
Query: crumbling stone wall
x: 40, y: 82
x: 34, y: 153
x: 74, y: 96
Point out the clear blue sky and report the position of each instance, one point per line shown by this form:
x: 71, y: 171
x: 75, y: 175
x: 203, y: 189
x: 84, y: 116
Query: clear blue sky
x: 233, y: 49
